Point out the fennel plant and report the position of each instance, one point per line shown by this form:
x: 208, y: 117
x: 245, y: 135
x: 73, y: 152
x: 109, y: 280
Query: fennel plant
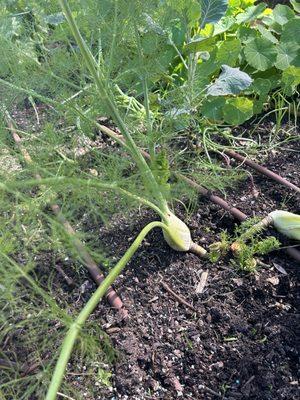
x: 176, y: 232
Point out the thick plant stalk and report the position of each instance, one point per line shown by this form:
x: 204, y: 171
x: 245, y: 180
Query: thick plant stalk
x: 263, y: 170
x: 103, y: 89
x: 76, y: 326
x: 111, y: 295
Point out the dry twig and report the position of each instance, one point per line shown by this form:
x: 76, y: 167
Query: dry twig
x: 176, y: 296
x: 202, y: 282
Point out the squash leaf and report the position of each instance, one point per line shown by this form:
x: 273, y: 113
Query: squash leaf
x: 230, y: 81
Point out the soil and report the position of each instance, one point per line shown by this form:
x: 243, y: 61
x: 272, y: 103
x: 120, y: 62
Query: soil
x: 240, y: 340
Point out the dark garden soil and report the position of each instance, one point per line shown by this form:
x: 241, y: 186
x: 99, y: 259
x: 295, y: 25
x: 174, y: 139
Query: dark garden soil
x: 240, y: 339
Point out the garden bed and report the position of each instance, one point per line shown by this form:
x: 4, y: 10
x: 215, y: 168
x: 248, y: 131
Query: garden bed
x: 112, y: 116
x: 240, y: 340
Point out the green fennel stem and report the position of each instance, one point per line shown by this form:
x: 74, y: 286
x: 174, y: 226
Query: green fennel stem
x: 102, y: 86
x: 151, y: 144
x: 88, y: 183
x: 76, y: 326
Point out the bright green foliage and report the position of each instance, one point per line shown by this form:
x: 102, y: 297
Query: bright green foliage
x: 291, y: 79
x: 244, y: 244
x: 249, y: 243
x: 261, y: 42
x: 244, y: 256
x: 287, y: 55
x: 260, y: 54
x: 282, y: 14
x: 230, y: 82
x: 212, y: 108
x: 161, y: 169
x: 251, y: 13
x: 212, y: 11
x: 240, y: 35
x: 296, y: 5
x: 291, y: 32
x: 238, y: 110
x: 228, y: 52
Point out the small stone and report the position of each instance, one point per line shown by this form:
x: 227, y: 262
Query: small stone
x: 274, y: 280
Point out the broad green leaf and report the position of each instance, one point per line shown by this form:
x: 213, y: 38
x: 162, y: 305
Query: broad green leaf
x: 193, y: 12
x: 224, y: 25
x: 207, y: 31
x: 212, y: 11
x: 236, y: 6
x: 212, y: 108
x: 251, y: 13
x: 296, y: 5
x: 230, y: 81
x: 246, y: 34
x: 201, y: 82
x: 290, y: 79
x: 261, y: 86
x: 177, y: 34
x: 288, y: 54
x: 291, y: 32
x: 237, y: 110
x: 271, y: 24
x: 234, y: 3
x: 260, y: 53
x: 229, y: 51
x: 258, y: 104
x: 207, y: 68
x: 267, y: 34
x: 200, y: 44
x: 282, y: 14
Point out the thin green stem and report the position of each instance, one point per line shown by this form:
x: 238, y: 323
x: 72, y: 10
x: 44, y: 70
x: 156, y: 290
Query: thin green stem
x: 74, y: 330
x: 44, y: 295
x: 84, y: 182
x: 113, y: 42
x: 146, y: 96
x: 63, y: 107
x: 33, y: 93
x: 99, y: 79
x: 178, y: 53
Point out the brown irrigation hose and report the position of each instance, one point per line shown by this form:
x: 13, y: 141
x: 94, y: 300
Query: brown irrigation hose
x: 213, y: 198
x: 235, y: 212
x: 263, y: 170
x: 111, y: 295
